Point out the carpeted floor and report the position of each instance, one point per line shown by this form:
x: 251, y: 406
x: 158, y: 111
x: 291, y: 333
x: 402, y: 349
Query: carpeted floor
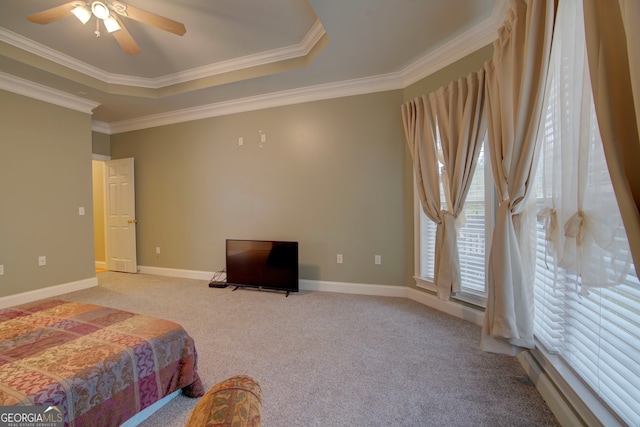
x: 329, y: 359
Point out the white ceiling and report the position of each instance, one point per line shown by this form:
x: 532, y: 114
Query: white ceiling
x: 237, y: 52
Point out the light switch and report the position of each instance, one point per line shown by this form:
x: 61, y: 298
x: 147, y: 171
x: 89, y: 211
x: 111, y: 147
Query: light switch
x: 81, y: 211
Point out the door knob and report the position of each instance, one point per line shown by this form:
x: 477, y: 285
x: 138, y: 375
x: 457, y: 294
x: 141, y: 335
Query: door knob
x: 132, y: 221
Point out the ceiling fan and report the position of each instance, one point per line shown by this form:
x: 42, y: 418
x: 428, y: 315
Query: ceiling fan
x: 109, y: 12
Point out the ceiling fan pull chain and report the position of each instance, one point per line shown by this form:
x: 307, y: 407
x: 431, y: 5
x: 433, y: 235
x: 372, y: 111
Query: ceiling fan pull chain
x: 97, y: 31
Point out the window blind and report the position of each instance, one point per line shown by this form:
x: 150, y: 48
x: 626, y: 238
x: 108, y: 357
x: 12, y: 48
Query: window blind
x: 471, y: 237
x: 595, y: 331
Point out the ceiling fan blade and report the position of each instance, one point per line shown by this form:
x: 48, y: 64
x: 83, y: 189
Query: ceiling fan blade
x: 126, y: 42
x: 150, y: 19
x: 51, y: 15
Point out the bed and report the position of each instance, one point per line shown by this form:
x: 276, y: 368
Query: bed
x: 99, y: 365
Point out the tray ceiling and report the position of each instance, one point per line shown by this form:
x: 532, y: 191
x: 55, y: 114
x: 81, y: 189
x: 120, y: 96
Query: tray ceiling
x: 235, y: 50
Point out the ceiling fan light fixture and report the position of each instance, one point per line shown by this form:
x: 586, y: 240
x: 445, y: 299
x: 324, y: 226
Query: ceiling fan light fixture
x: 110, y: 13
x: 111, y: 24
x: 100, y: 10
x: 82, y: 13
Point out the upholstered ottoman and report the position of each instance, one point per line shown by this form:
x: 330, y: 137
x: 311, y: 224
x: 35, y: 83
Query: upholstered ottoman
x: 234, y: 402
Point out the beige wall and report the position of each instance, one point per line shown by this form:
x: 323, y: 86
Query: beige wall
x: 100, y: 144
x: 330, y: 175
x: 45, y: 176
x: 335, y: 175
x: 461, y: 68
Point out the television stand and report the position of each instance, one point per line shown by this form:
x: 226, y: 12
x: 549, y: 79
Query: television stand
x: 259, y: 288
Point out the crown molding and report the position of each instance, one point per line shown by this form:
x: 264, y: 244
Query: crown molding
x: 276, y: 55
x: 259, y: 102
x: 461, y: 46
x: 100, y: 127
x: 281, y: 54
x: 467, y: 43
x: 52, y: 55
x: 44, y: 93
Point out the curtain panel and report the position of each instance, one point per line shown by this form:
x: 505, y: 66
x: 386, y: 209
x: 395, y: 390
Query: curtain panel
x: 462, y: 126
x: 515, y: 79
x: 584, y: 234
x: 446, y: 125
x: 612, y: 31
x: 420, y: 131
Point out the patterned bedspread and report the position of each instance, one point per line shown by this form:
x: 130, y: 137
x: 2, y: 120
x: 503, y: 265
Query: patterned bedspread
x: 99, y: 365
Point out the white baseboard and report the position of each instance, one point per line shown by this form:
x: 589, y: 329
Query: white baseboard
x: 175, y: 272
x: 353, y: 288
x: 555, y: 400
x: 101, y: 264
x: 305, y: 285
x: 51, y: 291
x: 455, y: 309
x: 138, y: 418
x: 570, y: 400
x: 452, y: 308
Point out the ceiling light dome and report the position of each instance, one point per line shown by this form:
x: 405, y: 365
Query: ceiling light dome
x: 100, y: 10
x: 111, y: 24
x: 82, y: 13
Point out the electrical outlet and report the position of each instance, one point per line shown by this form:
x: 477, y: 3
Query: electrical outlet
x: 81, y: 211
x: 339, y: 258
x: 378, y: 259
x: 42, y: 260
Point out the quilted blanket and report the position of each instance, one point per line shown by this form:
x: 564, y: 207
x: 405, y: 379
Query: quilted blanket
x: 99, y: 365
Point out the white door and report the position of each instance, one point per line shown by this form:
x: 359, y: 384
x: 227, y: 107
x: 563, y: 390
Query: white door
x: 120, y: 216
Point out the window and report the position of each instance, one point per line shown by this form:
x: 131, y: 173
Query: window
x: 587, y: 293
x: 596, y: 332
x: 586, y: 312
x: 472, y: 238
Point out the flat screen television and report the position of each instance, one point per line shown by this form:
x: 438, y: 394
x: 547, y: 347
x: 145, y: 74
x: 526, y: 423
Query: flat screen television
x: 263, y: 264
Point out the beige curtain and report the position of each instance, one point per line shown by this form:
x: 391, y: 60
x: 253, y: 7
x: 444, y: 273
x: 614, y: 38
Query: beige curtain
x: 612, y: 30
x: 420, y: 131
x: 462, y: 124
x: 515, y: 79
x: 455, y: 113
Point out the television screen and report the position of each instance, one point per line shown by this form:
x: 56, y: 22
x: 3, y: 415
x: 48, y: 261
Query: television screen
x: 262, y: 264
